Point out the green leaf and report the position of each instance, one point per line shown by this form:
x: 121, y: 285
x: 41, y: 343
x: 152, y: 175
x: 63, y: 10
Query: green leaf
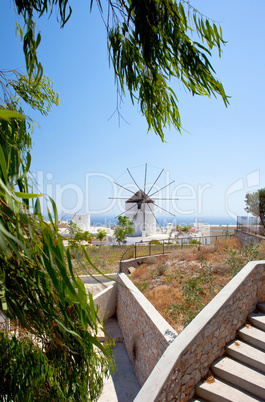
x: 3, y: 165
x: 26, y: 196
x: 55, y: 212
x: 6, y: 114
x: 37, y: 207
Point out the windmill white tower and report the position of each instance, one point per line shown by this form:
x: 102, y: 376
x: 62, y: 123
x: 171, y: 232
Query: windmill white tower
x: 140, y: 208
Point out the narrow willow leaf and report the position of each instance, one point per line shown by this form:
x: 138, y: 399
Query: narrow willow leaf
x: 6, y: 114
x: 3, y: 165
x: 26, y: 196
x: 55, y: 213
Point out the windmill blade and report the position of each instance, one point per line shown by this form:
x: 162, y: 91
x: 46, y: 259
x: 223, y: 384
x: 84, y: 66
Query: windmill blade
x: 145, y: 177
x: 144, y: 216
x: 164, y: 198
x: 154, y: 216
x: 123, y: 187
x: 162, y: 188
x: 156, y: 181
x: 124, y: 211
x: 135, y: 216
x: 164, y: 209
x: 133, y: 179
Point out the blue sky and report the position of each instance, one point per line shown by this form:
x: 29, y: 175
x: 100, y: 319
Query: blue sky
x: 80, y: 151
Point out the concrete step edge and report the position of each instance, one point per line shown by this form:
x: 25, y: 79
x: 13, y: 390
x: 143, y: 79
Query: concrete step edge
x: 253, y: 336
x: 247, y: 354
x: 221, y: 391
x: 257, y: 320
x: 240, y: 375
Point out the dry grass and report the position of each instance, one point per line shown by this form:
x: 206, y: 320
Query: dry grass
x: 143, y: 272
x: 261, y: 255
x: 180, y: 284
x: 190, y: 278
x: 105, y: 258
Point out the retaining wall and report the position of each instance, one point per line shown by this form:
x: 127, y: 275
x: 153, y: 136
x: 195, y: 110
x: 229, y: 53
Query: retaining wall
x: 106, y: 300
x: 104, y: 291
x: 245, y: 237
x: 187, y: 360
x: 146, y: 333
x: 134, y: 262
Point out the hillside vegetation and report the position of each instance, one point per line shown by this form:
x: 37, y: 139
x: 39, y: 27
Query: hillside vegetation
x: 182, y: 282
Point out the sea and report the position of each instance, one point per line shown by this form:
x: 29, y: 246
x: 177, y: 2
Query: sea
x: 100, y: 220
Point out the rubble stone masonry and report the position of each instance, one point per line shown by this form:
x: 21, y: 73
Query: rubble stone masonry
x: 146, y: 333
x: 187, y: 360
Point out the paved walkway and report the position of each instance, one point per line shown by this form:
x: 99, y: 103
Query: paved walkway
x: 123, y: 385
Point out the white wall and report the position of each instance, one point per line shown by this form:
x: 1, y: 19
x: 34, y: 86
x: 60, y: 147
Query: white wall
x: 82, y: 221
x: 137, y: 217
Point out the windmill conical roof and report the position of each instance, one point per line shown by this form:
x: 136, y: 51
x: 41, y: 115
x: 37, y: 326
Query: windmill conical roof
x: 140, y: 196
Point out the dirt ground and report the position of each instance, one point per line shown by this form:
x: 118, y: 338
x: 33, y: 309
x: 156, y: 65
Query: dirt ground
x: 181, y: 284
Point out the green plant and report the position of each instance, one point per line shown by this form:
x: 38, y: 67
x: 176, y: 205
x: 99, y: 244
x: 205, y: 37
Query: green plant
x: 101, y: 234
x: 205, y: 272
x: 192, y: 290
x: 161, y: 269
x: 142, y: 286
x: 251, y: 251
x: 40, y: 291
x: 256, y: 204
x: 140, y: 50
x: 125, y: 227
x: 194, y: 242
x: 188, y: 310
x: 35, y: 377
x: 155, y: 242
x: 236, y: 259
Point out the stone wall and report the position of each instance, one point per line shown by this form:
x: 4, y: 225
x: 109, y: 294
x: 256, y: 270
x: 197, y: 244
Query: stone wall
x: 106, y: 301
x: 188, y: 359
x: 146, y: 333
x: 245, y: 237
x: 135, y: 262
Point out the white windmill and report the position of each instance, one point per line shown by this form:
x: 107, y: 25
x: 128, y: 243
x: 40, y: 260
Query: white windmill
x: 140, y: 207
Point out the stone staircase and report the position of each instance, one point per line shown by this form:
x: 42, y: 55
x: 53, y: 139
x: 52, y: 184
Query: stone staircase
x: 239, y: 376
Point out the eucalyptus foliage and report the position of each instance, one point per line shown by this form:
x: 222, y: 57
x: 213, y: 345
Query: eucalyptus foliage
x: 52, y: 351
x: 40, y: 292
x: 151, y: 42
x: 255, y: 204
x: 124, y: 228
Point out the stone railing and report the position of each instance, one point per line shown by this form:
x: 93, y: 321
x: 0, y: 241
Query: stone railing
x: 187, y: 360
x: 146, y: 333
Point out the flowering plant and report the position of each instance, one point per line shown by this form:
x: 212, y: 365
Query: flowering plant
x: 188, y: 229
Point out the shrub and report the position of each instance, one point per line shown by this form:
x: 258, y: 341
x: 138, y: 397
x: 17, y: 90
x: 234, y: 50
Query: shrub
x: 155, y: 242
x: 194, y: 241
x: 161, y: 269
x: 238, y: 258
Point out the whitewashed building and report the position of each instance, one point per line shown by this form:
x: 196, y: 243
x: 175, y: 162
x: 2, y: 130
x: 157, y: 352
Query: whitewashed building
x: 140, y: 209
x: 82, y: 221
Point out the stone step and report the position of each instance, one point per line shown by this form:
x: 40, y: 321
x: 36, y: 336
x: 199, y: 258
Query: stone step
x: 247, y: 354
x: 220, y: 391
x: 261, y: 307
x: 113, y: 331
x: 253, y: 336
x: 257, y: 320
x: 241, y: 376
